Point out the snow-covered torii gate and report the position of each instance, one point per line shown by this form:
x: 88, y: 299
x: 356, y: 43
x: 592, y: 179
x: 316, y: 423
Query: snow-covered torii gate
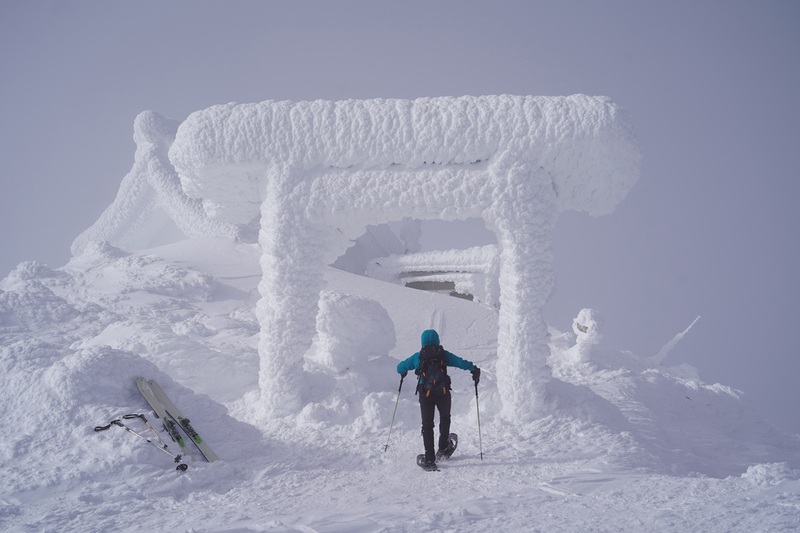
x: 317, y: 173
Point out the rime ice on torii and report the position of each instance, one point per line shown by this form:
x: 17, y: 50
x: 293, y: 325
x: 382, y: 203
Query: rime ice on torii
x: 313, y: 175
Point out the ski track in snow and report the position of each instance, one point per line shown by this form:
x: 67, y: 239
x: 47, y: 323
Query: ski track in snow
x: 626, y: 448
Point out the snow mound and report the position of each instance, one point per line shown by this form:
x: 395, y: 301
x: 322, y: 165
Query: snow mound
x: 350, y: 367
x: 670, y: 412
x: 351, y: 329
x: 52, y: 420
x: 770, y: 474
x: 31, y: 302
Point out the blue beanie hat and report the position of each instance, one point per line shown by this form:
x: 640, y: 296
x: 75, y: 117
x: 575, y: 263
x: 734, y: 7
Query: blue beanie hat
x: 430, y: 338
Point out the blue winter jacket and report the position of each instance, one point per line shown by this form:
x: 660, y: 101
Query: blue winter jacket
x: 431, y: 338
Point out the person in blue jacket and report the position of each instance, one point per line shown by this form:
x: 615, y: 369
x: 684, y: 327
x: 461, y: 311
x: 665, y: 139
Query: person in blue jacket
x: 433, y: 386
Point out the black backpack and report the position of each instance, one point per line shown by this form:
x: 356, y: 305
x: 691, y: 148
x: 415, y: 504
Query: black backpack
x: 432, y: 372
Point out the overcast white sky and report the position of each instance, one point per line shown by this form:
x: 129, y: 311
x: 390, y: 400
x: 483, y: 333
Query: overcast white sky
x: 713, y: 88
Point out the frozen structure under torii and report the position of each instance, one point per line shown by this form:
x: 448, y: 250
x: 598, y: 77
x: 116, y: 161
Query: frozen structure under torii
x: 318, y: 173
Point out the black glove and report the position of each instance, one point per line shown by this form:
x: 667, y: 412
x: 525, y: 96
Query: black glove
x: 476, y: 375
x: 404, y: 374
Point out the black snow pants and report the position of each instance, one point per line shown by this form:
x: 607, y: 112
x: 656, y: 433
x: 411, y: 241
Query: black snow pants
x: 427, y: 407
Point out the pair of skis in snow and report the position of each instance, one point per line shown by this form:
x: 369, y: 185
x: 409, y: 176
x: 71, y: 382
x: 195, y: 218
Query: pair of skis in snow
x: 441, y: 455
x: 172, y: 418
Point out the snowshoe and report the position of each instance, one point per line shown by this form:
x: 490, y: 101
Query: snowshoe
x: 430, y: 466
x: 443, y: 455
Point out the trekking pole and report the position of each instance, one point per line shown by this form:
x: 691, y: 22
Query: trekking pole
x: 480, y: 440
x: 395, y: 412
x: 130, y: 416
x: 117, y: 422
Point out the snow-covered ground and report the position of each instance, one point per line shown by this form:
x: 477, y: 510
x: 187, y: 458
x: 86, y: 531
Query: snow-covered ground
x: 629, y: 444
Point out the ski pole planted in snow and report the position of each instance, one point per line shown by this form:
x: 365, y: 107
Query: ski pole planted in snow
x: 480, y: 440
x: 395, y: 412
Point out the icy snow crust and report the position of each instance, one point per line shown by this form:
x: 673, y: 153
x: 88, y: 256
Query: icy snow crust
x: 318, y: 173
x: 625, y: 446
